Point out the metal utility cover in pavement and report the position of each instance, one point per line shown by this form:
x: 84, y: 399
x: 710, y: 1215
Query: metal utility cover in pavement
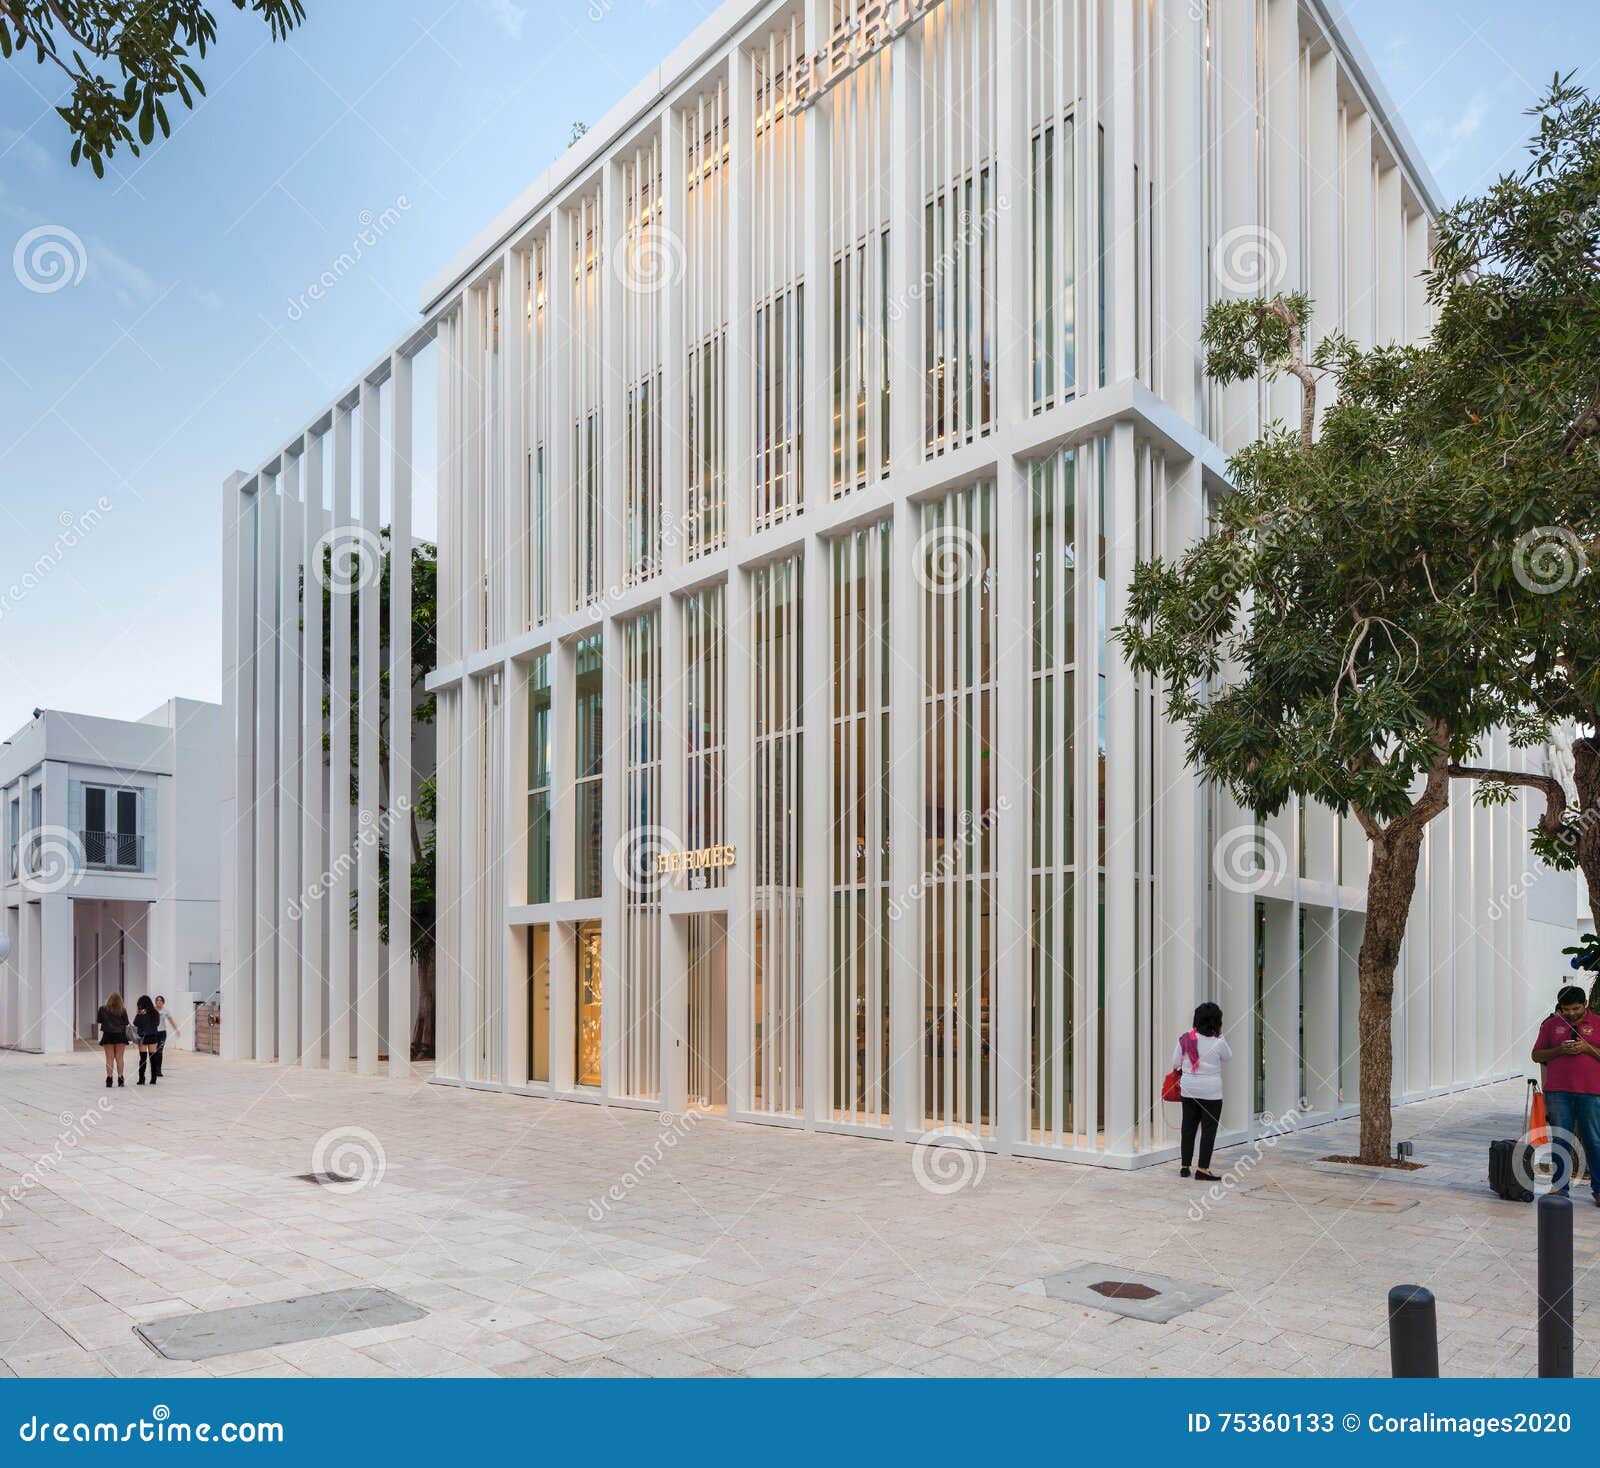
x: 209, y: 1333
x: 1123, y: 1292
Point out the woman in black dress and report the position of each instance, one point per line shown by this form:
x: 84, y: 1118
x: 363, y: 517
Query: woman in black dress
x: 146, y: 1021
x: 113, y: 1022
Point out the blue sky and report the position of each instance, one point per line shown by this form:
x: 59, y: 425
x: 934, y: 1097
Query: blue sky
x: 126, y: 398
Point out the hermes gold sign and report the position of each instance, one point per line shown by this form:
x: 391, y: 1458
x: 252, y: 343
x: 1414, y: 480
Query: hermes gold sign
x: 694, y: 861
x: 854, y: 40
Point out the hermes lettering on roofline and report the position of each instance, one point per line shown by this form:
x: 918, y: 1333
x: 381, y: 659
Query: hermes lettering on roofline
x: 853, y: 41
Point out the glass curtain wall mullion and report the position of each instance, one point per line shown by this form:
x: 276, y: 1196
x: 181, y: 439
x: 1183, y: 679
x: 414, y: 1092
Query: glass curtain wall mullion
x: 539, y: 779
x: 705, y: 699
x: 705, y: 124
x: 647, y: 276
x: 859, y: 995
x: 859, y: 194
x: 959, y: 124
x: 1052, y: 216
x: 640, y: 1009
x: 588, y: 768
x: 779, y: 287
x: 541, y: 360
x: 775, y: 1033
x: 955, y: 567
x: 585, y: 350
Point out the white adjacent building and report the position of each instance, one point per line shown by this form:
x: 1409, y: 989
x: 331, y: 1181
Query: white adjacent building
x: 797, y: 433
x: 108, y: 879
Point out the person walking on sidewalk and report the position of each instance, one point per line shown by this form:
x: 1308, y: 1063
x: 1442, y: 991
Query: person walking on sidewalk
x: 146, y: 1021
x: 113, y: 1021
x: 1198, y: 1060
x: 166, y: 1018
x: 1568, y: 1046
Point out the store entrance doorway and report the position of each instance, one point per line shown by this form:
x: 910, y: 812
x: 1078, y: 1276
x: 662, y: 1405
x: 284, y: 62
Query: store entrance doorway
x: 708, y: 1011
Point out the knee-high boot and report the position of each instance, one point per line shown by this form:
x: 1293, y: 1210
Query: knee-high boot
x: 142, y: 1059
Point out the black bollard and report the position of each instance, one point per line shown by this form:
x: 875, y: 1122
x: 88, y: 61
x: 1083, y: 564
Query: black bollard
x: 1555, y: 1285
x: 1413, y: 1332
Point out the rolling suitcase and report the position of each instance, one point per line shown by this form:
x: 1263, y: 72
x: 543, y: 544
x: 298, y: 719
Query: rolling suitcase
x: 1511, y: 1163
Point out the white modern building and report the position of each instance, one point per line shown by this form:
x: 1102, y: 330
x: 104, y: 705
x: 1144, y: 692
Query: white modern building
x: 797, y: 433
x: 108, y: 881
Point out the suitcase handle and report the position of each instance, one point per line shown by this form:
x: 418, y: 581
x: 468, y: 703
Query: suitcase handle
x: 1527, y: 1110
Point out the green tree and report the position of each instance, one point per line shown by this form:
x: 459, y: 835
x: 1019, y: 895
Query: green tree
x: 1516, y: 287
x: 1331, y: 638
x: 124, y: 60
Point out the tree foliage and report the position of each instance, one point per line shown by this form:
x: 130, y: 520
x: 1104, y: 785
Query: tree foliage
x: 125, y: 60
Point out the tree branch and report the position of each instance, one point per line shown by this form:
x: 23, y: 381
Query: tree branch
x: 1555, y: 795
x: 1297, y: 366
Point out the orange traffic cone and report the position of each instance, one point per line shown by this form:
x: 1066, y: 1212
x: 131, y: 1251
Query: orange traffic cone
x: 1538, y: 1128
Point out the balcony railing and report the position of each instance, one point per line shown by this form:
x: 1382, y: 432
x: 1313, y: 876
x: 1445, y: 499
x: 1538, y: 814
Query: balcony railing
x: 113, y: 851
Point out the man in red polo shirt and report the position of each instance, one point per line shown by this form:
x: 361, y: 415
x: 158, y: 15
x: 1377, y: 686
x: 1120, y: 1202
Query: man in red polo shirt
x: 1568, y: 1046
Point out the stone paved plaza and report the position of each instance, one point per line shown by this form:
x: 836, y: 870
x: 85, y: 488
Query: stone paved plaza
x: 545, y: 1238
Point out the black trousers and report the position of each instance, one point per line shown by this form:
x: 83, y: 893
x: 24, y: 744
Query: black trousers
x: 1200, y: 1116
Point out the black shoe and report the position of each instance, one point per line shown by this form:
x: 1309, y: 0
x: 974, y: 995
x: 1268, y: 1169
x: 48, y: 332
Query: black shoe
x: 1183, y: 1172
x: 122, y: 1080
x: 1201, y: 1175
x: 108, y: 1083
x: 140, y: 1081
x: 154, y: 1079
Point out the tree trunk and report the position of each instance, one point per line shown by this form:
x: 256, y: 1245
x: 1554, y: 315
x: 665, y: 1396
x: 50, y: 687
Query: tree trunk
x: 422, y: 1030
x: 1391, y: 883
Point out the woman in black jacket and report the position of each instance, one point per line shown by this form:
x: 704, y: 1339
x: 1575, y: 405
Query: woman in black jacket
x: 113, y: 1022
x: 146, y: 1021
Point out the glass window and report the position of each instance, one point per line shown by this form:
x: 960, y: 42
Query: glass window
x: 586, y: 1010
x: 539, y: 780
x: 539, y: 1003
x: 590, y: 752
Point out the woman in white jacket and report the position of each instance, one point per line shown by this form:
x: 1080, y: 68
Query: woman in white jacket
x: 1198, y: 1059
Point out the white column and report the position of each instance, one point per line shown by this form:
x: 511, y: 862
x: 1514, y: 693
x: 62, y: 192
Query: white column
x: 906, y: 815
x: 740, y: 832
x: 1181, y: 184
x: 370, y: 715
x: 313, y: 789
x: 268, y: 621
x: 400, y: 674
x: 238, y: 796
x: 1281, y: 139
x: 1325, y: 244
x: 56, y: 967
x: 1233, y: 42
x: 742, y: 368
x: 675, y: 1038
x: 1182, y: 923
x: 1320, y: 981
x: 1360, y: 300
x: 615, y: 697
x: 558, y: 440
x: 339, y: 726
x: 816, y: 813
x: 290, y: 770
